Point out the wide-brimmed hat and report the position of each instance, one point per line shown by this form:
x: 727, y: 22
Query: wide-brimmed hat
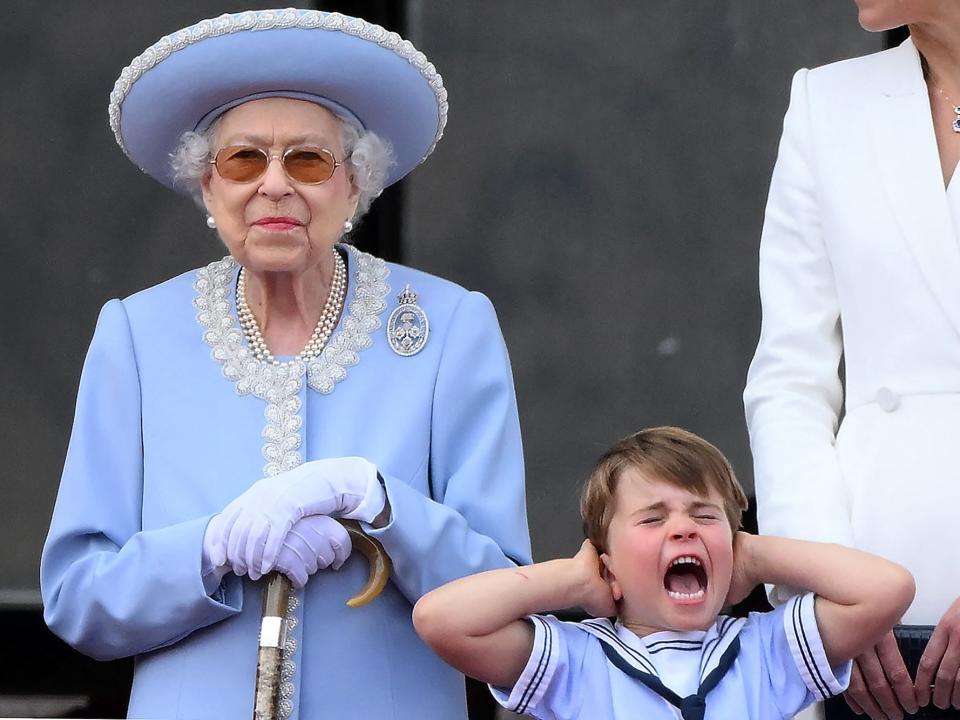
x: 366, y: 74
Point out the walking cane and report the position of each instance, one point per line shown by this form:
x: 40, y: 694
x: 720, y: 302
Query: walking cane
x: 276, y: 596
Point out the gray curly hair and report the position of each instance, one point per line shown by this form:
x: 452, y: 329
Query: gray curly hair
x: 368, y: 155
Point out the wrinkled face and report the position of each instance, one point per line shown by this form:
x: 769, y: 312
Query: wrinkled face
x: 669, y: 555
x: 274, y: 224
x: 880, y: 15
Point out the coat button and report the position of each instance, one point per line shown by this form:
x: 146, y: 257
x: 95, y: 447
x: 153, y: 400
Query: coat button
x: 887, y: 399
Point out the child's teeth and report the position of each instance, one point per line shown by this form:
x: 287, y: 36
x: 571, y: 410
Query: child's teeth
x: 685, y: 559
x: 685, y: 596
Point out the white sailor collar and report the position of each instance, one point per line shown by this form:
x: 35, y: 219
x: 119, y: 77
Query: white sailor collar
x: 640, y: 652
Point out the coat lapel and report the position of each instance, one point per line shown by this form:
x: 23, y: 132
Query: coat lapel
x: 909, y: 162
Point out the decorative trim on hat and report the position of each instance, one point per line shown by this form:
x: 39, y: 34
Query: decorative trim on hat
x: 255, y: 20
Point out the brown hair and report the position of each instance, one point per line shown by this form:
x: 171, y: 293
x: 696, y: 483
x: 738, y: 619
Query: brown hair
x: 670, y: 454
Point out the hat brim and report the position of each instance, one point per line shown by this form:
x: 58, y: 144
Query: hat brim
x: 381, y: 79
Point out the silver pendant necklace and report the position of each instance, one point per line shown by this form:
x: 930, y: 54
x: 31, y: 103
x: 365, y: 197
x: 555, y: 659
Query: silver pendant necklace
x: 955, y: 108
x: 925, y: 68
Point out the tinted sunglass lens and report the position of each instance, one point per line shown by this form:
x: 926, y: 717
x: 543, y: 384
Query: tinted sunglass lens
x: 241, y: 164
x: 309, y: 165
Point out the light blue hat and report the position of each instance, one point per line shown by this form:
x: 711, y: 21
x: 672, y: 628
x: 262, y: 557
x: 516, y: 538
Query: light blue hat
x: 186, y: 80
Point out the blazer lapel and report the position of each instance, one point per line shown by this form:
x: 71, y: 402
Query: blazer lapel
x: 909, y: 163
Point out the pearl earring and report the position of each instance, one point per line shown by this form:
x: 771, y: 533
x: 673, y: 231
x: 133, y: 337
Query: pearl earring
x: 211, y: 223
x: 347, y: 226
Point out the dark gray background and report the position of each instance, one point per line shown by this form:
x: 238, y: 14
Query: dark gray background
x: 602, y: 179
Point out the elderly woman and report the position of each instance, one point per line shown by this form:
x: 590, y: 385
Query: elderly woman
x: 228, y: 416
x: 860, y: 260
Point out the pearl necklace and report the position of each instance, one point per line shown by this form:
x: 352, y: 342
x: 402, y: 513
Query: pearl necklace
x: 325, y: 325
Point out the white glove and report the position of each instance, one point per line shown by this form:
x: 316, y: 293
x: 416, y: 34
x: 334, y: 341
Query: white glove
x: 248, y: 534
x: 314, y: 543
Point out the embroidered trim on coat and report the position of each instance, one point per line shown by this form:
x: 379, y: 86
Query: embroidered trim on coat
x: 279, y: 385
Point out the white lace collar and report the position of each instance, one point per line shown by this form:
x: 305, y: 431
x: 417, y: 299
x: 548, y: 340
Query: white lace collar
x: 221, y: 331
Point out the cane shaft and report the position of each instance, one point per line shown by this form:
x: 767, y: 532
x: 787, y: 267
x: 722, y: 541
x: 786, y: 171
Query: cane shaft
x: 270, y: 656
x: 275, y: 602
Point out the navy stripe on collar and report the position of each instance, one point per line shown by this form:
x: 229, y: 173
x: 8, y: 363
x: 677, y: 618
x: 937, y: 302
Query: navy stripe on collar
x: 677, y: 648
x: 604, y: 628
x: 724, y: 625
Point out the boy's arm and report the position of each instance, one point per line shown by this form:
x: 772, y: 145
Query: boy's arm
x: 859, y: 596
x: 476, y: 625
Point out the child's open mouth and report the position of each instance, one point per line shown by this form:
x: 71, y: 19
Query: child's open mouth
x: 685, y: 579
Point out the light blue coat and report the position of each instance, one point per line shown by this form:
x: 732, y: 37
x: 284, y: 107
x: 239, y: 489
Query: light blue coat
x: 174, y: 420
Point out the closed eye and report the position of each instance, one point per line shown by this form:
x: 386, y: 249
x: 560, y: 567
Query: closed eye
x: 706, y: 517
x: 649, y: 520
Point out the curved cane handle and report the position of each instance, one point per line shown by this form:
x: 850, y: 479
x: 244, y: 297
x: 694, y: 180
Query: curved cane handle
x: 380, y: 565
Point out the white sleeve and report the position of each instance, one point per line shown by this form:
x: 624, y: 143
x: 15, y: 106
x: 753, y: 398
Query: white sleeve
x: 806, y: 649
x: 546, y: 689
x: 793, y: 394
x: 794, y: 658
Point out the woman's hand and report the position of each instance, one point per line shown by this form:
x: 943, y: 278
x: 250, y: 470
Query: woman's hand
x: 248, y: 534
x: 314, y: 543
x: 880, y: 684
x: 597, y: 598
x: 940, y: 662
x: 742, y: 580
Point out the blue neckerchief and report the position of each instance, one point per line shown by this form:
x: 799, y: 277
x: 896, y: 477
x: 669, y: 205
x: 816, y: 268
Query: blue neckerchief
x: 691, y: 707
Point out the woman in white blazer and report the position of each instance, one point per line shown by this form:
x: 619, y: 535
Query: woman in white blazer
x: 860, y: 263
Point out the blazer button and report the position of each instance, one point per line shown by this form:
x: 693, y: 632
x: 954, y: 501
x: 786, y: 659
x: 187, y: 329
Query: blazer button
x: 887, y: 399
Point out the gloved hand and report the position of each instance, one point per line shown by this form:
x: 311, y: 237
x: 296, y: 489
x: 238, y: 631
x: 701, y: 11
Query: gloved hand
x: 316, y: 542
x: 248, y: 534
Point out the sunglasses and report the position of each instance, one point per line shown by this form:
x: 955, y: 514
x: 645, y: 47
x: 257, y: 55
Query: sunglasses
x: 246, y: 163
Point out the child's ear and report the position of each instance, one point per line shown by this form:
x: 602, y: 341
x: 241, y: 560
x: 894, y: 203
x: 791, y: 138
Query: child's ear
x: 606, y: 572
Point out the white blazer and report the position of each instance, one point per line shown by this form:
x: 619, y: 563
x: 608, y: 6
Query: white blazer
x: 859, y: 259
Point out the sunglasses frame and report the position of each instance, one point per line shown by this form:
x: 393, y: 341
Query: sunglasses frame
x: 283, y: 162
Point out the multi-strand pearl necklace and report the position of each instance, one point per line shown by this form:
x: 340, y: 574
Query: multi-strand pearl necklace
x: 326, y: 324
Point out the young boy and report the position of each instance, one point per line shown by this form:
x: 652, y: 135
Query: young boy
x: 663, y: 508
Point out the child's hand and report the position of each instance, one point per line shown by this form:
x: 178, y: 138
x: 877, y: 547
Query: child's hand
x: 742, y: 582
x: 597, y: 599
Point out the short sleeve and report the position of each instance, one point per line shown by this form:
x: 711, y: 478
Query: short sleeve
x: 547, y: 688
x: 794, y: 657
